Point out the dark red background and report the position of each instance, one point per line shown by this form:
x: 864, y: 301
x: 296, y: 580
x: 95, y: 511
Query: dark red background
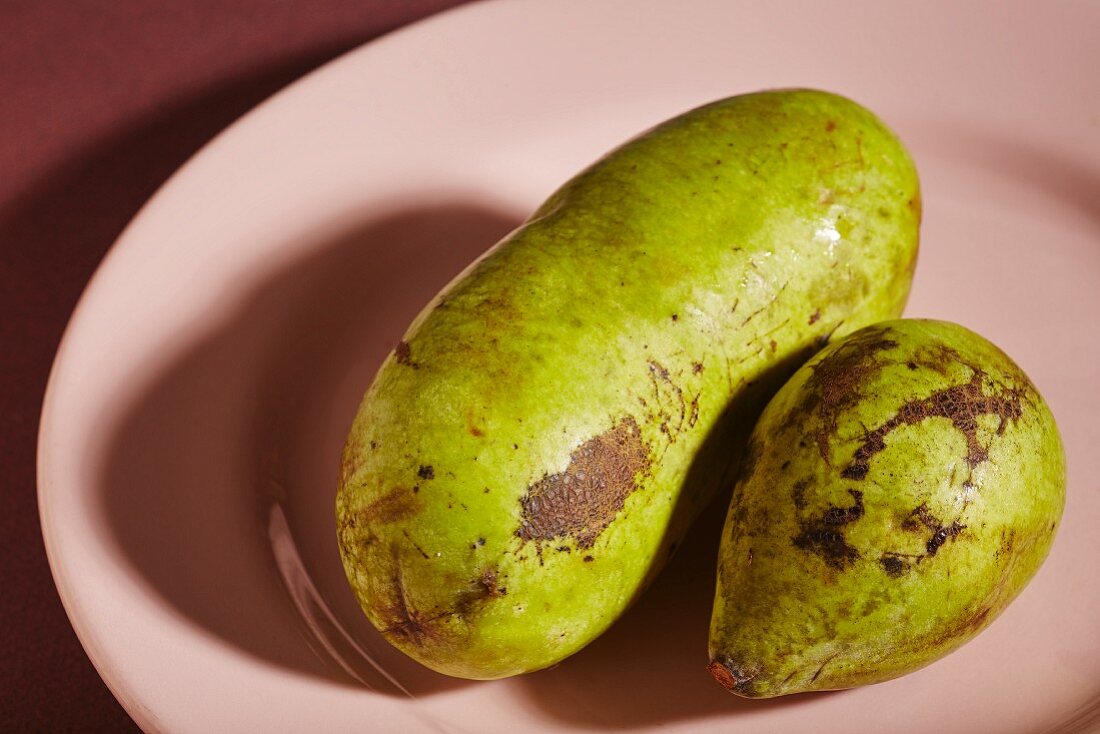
x: 100, y: 101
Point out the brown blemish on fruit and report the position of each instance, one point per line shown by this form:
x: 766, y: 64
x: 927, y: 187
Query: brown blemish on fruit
x: 693, y: 414
x: 475, y: 431
x: 941, y: 536
x: 814, y: 317
x: 960, y: 404
x: 961, y: 630
x: 581, y: 501
x: 892, y: 564
x: 397, y: 504
x: 403, y: 354
x: 404, y: 622
x: 426, y: 471
x: 830, y: 126
x: 696, y: 367
x: 920, y: 519
x: 731, y: 676
x: 488, y: 584
x: 350, y: 463
x: 588, y: 559
x: 824, y: 535
x: 835, y: 382
x: 914, y: 205
x: 671, y: 411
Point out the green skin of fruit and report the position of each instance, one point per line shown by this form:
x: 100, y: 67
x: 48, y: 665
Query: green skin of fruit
x: 526, y: 460
x: 898, y: 492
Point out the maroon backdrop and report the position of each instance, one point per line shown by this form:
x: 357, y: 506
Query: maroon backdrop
x: 100, y: 101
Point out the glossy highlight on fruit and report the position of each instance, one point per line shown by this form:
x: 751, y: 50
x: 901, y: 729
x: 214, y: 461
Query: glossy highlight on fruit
x: 530, y: 454
x: 898, y: 492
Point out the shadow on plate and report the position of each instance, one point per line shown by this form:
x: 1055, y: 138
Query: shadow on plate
x: 651, y: 666
x: 220, y: 480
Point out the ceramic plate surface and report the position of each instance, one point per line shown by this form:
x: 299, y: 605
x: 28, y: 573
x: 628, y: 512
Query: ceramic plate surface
x: 192, y: 428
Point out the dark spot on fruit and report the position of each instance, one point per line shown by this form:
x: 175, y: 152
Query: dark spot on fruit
x: 922, y: 519
x: 892, y: 565
x: 588, y: 559
x: 373, y: 445
x: 961, y: 404
x: 488, y: 583
x: 481, y: 541
x: 836, y: 381
x: 581, y: 501
x: 675, y: 317
x: 911, y: 365
x: 564, y: 549
x: 475, y: 431
x: 830, y: 126
x: 403, y: 354
x: 426, y: 472
x: 773, y: 344
x: 941, y: 536
x: 397, y: 504
x: 824, y: 535
x: 815, y: 317
x: 416, y: 489
x: 731, y: 676
x: 784, y: 466
x: 696, y: 367
x: 921, y: 516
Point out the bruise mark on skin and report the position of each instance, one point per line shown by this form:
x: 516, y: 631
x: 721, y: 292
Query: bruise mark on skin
x: 824, y: 535
x: 397, y: 504
x: 402, y: 354
x: 426, y: 472
x: 408, y: 624
x: 405, y: 622
x: 896, y: 564
x: 960, y: 404
x: 485, y: 586
x: 581, y: 501
x: 835, y: 382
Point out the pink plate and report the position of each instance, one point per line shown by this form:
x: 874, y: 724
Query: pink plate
x: 191, y: 431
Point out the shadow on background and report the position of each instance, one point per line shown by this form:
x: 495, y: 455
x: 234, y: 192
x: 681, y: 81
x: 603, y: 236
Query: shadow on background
x: 254, y: 415
x: 55, y: 228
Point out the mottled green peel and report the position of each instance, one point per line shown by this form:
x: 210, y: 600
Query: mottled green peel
x: 903, y: 487
x: 549, y: 425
